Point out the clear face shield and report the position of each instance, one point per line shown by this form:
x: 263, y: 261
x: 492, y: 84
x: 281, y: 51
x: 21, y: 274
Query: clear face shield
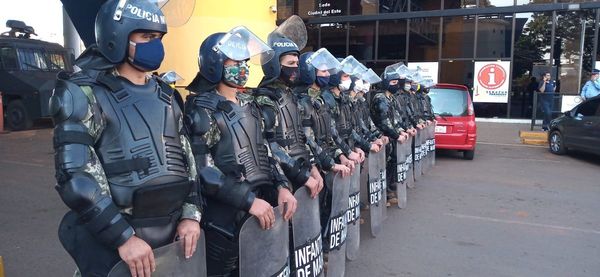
x: 323, y: 60
x: 175, y: 13
x: 396, y: 71
x: 170, y: 77
x: 370, y: 77
x: 351, y: 66
x: 240, y: 44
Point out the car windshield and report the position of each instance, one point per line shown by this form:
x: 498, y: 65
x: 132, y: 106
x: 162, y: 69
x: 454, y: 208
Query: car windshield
x: 448, y: 102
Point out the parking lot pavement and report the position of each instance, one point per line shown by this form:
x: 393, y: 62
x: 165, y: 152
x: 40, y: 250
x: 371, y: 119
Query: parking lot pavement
x: 513, y: 211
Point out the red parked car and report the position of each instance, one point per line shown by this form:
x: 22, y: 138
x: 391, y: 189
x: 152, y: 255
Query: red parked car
x: 453, y: 108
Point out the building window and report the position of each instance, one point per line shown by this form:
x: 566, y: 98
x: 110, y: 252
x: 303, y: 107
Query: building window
x: 362, y: 40
x: 285, y: 9
x: 567, y: 48
x: 458, y: 36
x: 313, y: 38
x: 364, y: 7
x: 495, y: 3
x: 392, y: 40
x: 393, y: 6
x: 423, y: 39
x: 527, y: 2
x: 333, y: 37
x: 425, y: 5
x: 494, y: 36
x: 459, y: 4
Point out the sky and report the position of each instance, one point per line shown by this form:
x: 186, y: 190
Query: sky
x: 45, y: 16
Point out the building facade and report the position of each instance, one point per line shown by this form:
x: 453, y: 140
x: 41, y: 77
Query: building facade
x: 560, y: 36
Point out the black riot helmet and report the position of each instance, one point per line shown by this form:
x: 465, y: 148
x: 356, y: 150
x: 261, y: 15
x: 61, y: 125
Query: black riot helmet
x: 211, y: 61
x: 281, y: 46
x: 117, y: 19
x: 308, y: 75
x: 309, y: 62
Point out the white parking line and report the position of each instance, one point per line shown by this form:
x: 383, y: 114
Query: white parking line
x: 489, y: 219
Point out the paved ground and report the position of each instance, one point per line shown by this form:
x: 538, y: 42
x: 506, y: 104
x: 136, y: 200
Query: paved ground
x: 514, y: 211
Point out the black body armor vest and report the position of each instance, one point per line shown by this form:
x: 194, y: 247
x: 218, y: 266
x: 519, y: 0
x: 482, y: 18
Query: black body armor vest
x: 241, y: 149
x: 140, y: 145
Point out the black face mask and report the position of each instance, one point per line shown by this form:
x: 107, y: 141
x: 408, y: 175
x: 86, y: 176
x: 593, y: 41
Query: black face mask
x: 393, y: 88
x: 289, y: 75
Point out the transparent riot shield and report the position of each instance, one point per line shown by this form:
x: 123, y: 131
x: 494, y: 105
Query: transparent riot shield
x: 401, y: 172
x: 264, y: 252
x: 417, y: 155
x: 353, y: 216
x: 375, y: 192
x: 423, y: 159
x: 307, y: 259
x: 170, y: 261
x: 337, y: 227
x: 383, y: 181
x: 409, y: 164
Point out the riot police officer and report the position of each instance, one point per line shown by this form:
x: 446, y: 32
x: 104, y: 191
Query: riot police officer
x: 386, y: 116
x: 337, y: 101
x: 233, y: 159
x: 280, y: 109
x: 123, y: 164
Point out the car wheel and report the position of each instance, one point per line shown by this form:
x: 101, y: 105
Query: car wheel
x: 469, y: 154
x: 557, y: 143
x: 16, y: 116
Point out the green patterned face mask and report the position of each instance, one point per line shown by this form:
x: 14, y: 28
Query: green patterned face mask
x: 236, y: 75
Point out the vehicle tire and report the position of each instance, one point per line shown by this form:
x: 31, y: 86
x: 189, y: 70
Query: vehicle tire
x: 469, y: 154
x: 16, y: 116
x: 557, y: 143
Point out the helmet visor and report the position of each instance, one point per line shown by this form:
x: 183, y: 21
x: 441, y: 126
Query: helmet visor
x: 174, y: 13
x: 370, y: 77
x: 171, y: 77
x: 396, y: 71
x: 351, y: 66
x: 323, y: 60
x: 241, y: 44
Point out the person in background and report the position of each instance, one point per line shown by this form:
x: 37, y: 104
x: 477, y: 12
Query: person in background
x: 592, y: 86
x: 546, y: 88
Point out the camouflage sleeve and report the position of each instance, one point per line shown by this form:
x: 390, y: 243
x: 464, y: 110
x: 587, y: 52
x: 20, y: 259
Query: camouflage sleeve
x: 191, y: 208
x: 319, y: 156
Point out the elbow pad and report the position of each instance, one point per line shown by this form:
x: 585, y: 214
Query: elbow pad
x: 225, y: 189
x: 96, y: 211
x: 298, y: 173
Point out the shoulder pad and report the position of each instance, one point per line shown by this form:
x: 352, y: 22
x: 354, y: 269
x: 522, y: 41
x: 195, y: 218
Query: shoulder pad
x: 197, y: 120
x: 207, y: 100
x: 68, y: 101
x: 263, y: 100
x: 329, y: 99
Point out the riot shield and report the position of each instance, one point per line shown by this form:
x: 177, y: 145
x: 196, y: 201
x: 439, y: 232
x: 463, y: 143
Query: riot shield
x: 383, y: 182
x: 337, y: 227
x: 424, y: 150
x: 401, y: 171
x: 375, y: 198
x: 307, y: 259
x: 264, y: 252
x: 417, y: 155
x: 170, y: 261
x: 409, y: 164
x: 353, y: 216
